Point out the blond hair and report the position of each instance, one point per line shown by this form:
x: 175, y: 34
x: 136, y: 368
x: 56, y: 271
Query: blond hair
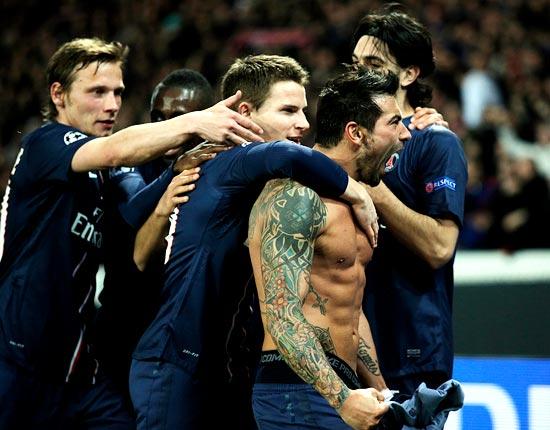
x: 77, y: 55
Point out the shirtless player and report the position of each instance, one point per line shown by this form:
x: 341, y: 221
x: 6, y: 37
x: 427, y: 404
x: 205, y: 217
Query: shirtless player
x: 308, y: 256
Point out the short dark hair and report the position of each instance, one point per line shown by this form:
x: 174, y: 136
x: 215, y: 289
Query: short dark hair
x: 77, y: 55
x: 407, y: 40
x: 187, y: 78
x: 351, y: 97
x: 254, y: 75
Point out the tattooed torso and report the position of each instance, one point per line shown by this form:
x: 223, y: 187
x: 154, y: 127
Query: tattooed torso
x: 308, y: 257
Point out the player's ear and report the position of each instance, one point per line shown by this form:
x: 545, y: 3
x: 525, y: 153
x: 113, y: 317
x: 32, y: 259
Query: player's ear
x: 354, y: 134
x: 409, y: 75
x: 56, y: 94
x: 245, y: 108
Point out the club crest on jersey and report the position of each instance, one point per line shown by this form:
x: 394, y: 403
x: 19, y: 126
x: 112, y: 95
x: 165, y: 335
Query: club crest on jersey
x: 392, y: 162
x: 73, y: 136
x: 443, y: 182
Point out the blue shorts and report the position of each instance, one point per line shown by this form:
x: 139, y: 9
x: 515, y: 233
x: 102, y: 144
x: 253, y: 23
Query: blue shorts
x: 293, y: 406
x: 281, y: 400
x: 30, y: 402
x: 167, y: 397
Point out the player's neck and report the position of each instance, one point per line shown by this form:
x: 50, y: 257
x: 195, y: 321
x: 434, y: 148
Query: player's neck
x: 341, y: 156
x: 403, y: 102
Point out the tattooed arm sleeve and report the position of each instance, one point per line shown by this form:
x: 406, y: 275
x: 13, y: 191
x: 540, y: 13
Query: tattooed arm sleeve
x: 367, y: 365
x: 293, y: 219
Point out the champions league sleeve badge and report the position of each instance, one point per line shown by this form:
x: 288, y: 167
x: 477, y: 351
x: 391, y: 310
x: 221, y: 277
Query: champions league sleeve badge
x: 73, y: 136
x: 440, y: 183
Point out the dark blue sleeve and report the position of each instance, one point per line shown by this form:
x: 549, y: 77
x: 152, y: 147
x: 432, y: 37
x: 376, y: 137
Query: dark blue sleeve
x: 288, y: 160
x: 141, y: 203
x: 127, y: 182
x: 49, y: 153
x: 443, y: 174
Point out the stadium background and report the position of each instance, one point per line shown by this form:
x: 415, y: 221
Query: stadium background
x: 492, y: 84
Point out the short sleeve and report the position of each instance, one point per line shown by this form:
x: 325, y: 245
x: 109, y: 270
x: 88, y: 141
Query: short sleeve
x: 49, y: 153
x: 443, y: 174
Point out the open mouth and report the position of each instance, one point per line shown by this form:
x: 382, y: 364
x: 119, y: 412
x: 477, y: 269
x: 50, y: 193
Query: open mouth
x: 295, y: 139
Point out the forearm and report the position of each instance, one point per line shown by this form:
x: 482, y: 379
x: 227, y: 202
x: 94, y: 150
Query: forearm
x: 138, y: 144
x: 150, y: 239
x: 368, y: 368
x: 138, y: 208
x: 434, y: 240
x: 297, y: 342
x: 134, y: 145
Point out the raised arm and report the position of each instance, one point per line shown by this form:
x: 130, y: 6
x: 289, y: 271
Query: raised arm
x: 140, y: 143
x: 440, y: 177
x: 150, y: 236
x: 139, y: 205
x: 432, y: 239
x: 292, y: 218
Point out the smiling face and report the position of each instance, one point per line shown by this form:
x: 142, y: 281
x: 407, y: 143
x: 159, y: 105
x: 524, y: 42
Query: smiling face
x: 282, y: 115
x: 92, y: 102
x: 386, y: 138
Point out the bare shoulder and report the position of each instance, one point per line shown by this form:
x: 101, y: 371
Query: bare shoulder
x: 296, y: 209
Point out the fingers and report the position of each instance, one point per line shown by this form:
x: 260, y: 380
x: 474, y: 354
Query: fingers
x: 376, y: 228
x: 182, y: 189
x: 372, y: 235
x: 379, y: 396
x: 205, y: 157
x: 214, y: 148
x: 188, y: 172
x: 247, y: 129
x: 231, y: 100
x: 424, y: 117
x: 384, y: 407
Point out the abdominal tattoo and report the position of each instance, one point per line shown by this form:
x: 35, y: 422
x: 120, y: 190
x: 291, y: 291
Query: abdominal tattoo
x: 319, y: 301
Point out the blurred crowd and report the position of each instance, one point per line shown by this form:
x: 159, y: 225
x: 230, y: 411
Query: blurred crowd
x: 492, y: 82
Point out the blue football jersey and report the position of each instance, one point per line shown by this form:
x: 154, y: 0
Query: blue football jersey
x: 409, y: 304
x: 51, y: 234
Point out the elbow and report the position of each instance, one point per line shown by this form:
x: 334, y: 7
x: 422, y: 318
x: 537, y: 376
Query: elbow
x: 120, y: 155
x: 114, y: 157
x: 121, y: 158
x: 141, y: 263
x: 439, y: 255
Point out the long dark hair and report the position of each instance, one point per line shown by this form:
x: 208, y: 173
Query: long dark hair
x: 407, y: 40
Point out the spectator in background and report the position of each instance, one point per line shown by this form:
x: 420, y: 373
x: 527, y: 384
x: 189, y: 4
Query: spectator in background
x: 478, y: 89
x: 520, y: 207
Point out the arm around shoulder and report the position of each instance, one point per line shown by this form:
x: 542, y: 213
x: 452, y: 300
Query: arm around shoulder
x: 433, y: 239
